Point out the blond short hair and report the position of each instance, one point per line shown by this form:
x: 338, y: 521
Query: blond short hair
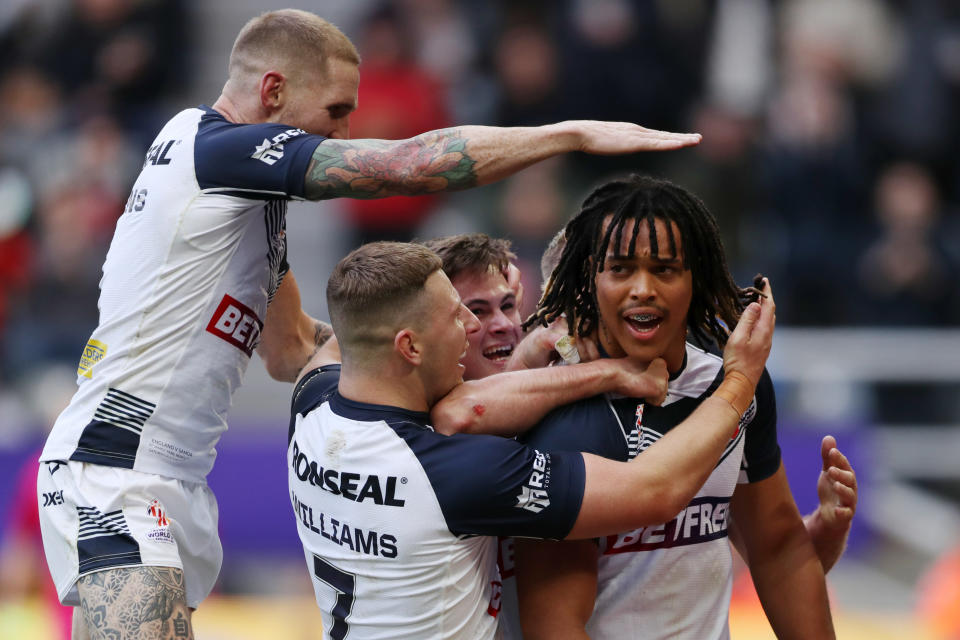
x: 376, y: 290
x: 289, y: 39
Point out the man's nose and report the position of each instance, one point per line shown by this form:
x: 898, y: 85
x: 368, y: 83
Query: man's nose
x: 470, y: 322
x: 341, y: 130
x: 643, y: 286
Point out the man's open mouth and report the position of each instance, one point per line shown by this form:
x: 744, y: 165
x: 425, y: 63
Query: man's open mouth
x: 500, y: 353
x: 644, y: 322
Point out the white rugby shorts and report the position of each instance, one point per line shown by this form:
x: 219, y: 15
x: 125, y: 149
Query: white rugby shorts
x: 95, y: 517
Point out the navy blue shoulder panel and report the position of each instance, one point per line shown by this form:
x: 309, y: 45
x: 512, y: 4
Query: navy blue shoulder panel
x: 761, y: 452
x: 487, y: 485
x: 259, y: 161
x: 587, y: 425
x: 313, y: 389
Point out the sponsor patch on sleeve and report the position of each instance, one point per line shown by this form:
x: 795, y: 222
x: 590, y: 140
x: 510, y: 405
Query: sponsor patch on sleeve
x: 236, y: 323
x: 93, y: 353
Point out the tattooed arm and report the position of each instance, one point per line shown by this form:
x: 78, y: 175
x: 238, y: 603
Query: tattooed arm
x: 289, y: 337
x: 464, y: 157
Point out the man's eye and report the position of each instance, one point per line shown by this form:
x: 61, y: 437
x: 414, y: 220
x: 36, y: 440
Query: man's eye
x: 477, y: 312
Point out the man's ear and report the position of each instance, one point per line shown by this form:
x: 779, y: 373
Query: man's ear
x: 407, y: 344
x: 272, y: 87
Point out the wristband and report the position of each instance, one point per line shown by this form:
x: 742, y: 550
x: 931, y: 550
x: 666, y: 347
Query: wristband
x: 737, y: 390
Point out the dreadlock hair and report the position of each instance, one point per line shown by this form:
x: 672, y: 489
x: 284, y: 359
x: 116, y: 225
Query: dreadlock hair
x: 571, y: 288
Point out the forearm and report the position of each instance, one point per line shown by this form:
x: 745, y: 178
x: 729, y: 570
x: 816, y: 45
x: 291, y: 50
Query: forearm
x: 441, y: 160
x: 792, y: 590
x: 290, y: 336
x: 511, y: 402
x: 286, y: 354
x: 828, y: 543
x: 556, y: 588
x: 654, y: 487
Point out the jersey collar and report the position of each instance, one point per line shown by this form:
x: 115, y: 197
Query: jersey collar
x: 365, y: 412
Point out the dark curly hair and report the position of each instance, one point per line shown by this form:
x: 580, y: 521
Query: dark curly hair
x: 571, y: 289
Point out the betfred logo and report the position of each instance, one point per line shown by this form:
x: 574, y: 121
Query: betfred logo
x: 236, y: 323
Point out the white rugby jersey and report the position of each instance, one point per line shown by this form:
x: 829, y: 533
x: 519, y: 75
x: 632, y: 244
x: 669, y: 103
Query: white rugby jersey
x: 195, y: 258
x: 397, y: 521
x: 671, y: 580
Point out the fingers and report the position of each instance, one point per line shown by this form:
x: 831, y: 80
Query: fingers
x: 624, y: 137
x: 747, y: 323
x: 842, y: 516
x: 828, y: 444
x: 587, y: 346
x: 768, y: 314
x: 846, y: 478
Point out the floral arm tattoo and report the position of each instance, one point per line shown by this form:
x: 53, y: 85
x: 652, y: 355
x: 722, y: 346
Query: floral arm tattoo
x: 431, y: 162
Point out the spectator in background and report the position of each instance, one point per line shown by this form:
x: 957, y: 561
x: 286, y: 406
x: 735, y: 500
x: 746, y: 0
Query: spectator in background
x: 391, y: 78
x: 526, y: 64
x: 906, y: 276
x: 532, y: 209
x: 811, y: 177
x: 16, y: 246
x: 123, y: 57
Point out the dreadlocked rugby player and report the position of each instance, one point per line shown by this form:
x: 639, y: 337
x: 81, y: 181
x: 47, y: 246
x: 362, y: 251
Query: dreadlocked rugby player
x: 398, y: 521
x: 480, y: 269
x: 643, y: 270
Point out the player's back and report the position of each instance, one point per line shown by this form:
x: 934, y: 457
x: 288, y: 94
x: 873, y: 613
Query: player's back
x: 383, y: 561
x: 397, y: 521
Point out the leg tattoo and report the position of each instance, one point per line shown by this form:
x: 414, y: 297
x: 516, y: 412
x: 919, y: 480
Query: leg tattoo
x: 135, y: 603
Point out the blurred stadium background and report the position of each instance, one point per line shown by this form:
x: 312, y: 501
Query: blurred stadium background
x: 829, y: 157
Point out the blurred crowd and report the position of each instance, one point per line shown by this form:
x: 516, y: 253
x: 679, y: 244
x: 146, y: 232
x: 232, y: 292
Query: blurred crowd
x: 829, y: 128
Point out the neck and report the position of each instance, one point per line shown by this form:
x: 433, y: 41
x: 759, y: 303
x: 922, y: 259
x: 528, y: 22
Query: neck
x: 404, y: 392
x: 232, y: 111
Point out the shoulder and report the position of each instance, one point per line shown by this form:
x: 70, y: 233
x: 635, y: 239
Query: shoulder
x: 315, y: 388
x: 590, y: 425
x: 258, y: 160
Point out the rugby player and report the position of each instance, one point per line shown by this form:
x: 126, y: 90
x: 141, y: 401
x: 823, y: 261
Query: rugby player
x: 644, y: 271
x: 197, y: 278
x: 397, y: 520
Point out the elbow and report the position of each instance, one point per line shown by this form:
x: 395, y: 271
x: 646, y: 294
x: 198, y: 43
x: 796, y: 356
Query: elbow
x: 278, y: 366
x: 665, y: 501
x: 448, y: 418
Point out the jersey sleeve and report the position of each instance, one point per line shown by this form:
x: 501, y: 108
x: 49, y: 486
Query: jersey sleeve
x: 311, y: 391
x: 487, y: 485
x: 588, y: 426
x: 761, y: 451
x: 261, y: 161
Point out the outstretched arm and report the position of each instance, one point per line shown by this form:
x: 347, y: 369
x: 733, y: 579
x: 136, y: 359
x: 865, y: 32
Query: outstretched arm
x: 464, y: 157
x: 290, y: 336
x: 829, y: 525
x: 508, y: 403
